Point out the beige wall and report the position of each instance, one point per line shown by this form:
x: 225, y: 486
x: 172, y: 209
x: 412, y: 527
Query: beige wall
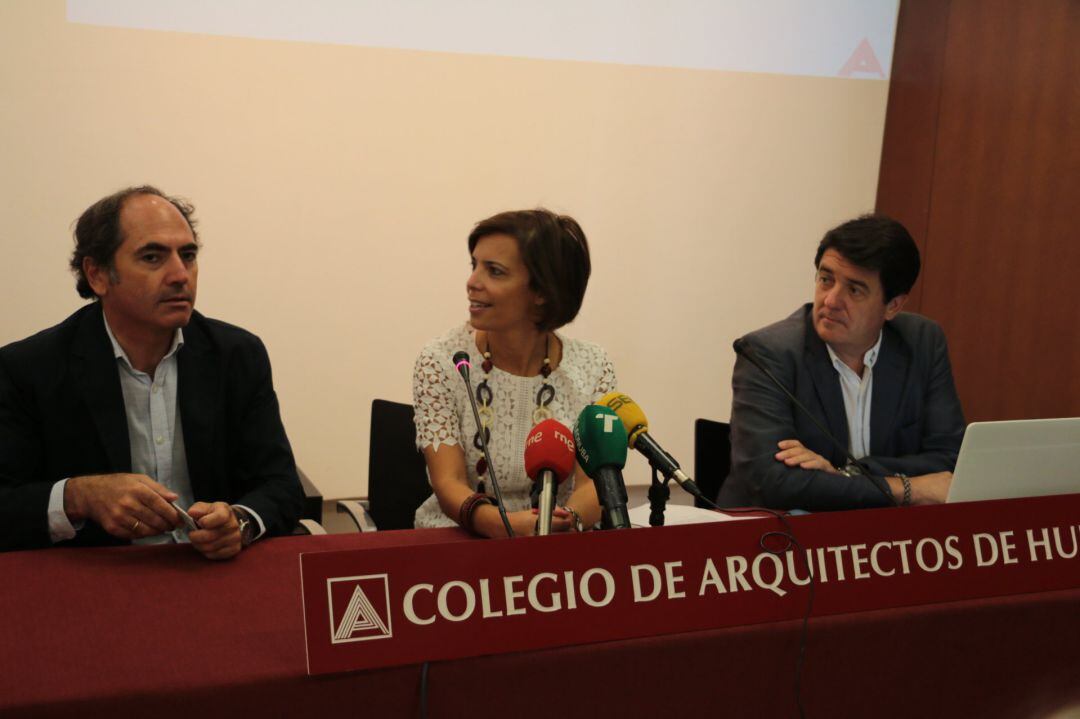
x: 336, y: 185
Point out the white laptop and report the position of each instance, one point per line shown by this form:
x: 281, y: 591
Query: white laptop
x: 1021, y: 458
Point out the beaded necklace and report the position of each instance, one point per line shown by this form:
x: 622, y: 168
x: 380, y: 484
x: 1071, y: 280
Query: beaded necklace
x: 544, y: 395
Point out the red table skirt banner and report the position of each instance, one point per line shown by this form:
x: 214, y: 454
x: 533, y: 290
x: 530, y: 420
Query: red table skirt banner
x: 370, y: 608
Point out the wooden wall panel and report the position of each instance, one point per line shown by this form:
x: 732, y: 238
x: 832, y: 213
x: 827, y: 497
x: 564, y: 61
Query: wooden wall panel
x: 1001, y: 246
x: 907, y: 153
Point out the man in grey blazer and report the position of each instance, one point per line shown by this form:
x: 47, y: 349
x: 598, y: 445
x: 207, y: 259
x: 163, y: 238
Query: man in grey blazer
x: 879, y: 379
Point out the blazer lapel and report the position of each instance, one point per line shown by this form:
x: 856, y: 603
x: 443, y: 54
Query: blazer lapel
x: 891, y: 373
x: 827, y: 388
x: 94, y: 367
x: 197, y: 390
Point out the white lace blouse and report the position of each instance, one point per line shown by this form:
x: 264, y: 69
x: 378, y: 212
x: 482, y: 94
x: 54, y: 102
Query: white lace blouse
x: 443, y: 415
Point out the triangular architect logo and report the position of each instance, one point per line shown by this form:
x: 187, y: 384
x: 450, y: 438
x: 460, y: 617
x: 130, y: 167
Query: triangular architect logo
x: 361, y: 619
x: 862, y: 61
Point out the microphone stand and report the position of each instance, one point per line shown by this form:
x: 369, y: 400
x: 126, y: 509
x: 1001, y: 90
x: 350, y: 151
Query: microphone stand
x: 545, y: 504
x: 659, y: 492
x: 483, y: 444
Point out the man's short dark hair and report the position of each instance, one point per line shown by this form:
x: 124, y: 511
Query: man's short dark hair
x: 880, y: 243
x: 98, y: 235
x: 555, y: 253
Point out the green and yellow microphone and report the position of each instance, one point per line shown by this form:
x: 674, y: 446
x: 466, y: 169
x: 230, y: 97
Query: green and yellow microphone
x: 637, y: 433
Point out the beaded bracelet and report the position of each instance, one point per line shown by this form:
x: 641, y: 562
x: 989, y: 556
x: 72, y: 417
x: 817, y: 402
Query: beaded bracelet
x: 906, y: 481
x: 467, y: 511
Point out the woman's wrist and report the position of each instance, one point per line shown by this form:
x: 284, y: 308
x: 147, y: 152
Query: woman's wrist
x: 575, y: 519
x: 473, y: 512
x: 488, y: 522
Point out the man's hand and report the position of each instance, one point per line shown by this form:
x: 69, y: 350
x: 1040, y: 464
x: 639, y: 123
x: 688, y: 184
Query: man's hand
x: 930, y: 488
x: 218, y: 536
x: 794, y: 454
x: 127, y: 506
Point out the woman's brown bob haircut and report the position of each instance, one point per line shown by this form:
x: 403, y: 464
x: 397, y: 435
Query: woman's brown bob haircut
x: 555, y: 253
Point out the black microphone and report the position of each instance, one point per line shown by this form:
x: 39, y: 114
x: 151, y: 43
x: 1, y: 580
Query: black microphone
x: 746, y: 351
x: 461, y: 362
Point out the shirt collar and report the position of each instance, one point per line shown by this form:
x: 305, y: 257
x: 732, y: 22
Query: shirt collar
x: 868, y: 359
x: 120, y: 354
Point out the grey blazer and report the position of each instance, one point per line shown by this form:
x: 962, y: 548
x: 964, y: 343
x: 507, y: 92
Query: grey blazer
x: 916, y: 423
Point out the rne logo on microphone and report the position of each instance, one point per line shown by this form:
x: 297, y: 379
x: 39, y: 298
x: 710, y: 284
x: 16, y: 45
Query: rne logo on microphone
x: 564, y: 439
x: 359, y: 608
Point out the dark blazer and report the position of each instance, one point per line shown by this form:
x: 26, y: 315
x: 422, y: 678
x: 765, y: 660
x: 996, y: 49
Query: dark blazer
x: 62, y: 415
x: 916, y: 423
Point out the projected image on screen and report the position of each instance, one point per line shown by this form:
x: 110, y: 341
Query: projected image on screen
x: 827, y: 38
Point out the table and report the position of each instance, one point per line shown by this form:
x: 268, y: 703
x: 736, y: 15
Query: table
x: 159, y: 631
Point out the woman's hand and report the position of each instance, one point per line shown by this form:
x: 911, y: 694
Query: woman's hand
x: 488, y: 522
x: 561, y: 520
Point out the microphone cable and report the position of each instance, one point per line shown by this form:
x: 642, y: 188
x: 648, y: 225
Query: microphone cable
x: 744, y: 349
x: 423, y: 689
x: 788, y: 535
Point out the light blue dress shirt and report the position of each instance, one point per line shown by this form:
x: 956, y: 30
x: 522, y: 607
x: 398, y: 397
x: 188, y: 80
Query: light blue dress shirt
x: 156, y: 435
x: 858, y: 392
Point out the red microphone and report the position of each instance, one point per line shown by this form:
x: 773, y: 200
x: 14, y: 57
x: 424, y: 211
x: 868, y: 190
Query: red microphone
x: 549, y: 460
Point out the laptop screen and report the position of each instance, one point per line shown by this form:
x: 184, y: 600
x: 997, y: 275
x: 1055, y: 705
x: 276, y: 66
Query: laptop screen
x: 1020, y: 458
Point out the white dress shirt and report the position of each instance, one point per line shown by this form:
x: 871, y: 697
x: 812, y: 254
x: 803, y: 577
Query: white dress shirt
x: 857, y: 391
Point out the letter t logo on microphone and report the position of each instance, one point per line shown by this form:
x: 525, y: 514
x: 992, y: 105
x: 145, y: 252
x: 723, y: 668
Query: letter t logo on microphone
x: 609, y: 421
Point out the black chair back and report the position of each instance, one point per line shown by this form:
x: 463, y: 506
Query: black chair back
x: 397, y: 477
x: 712, y: 457
x: 313, y: 501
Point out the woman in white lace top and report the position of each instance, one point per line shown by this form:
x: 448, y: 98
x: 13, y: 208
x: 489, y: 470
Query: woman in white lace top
x: 530, y: 270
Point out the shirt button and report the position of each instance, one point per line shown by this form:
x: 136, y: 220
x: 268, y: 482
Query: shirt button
x: 159, y: 439
x: 155, y: 389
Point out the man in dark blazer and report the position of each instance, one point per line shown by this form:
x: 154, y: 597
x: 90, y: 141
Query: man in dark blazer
x: 877, y: 378
x: 137, y: 402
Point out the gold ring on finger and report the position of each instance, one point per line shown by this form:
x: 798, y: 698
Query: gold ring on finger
x: 135, y: 526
